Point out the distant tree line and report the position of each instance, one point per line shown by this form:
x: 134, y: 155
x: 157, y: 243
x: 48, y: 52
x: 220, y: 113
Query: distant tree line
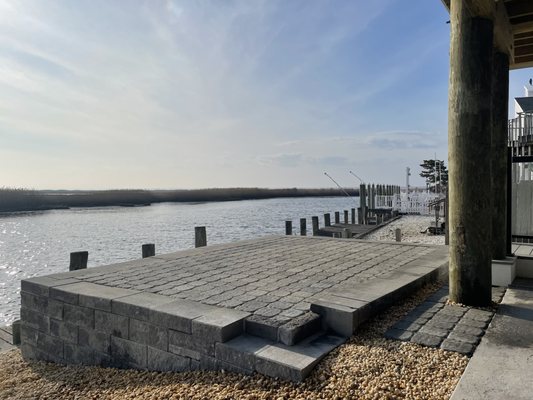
x: 13, y: 199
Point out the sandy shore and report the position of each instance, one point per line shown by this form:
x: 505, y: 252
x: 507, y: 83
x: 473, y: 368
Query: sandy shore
x: 366, y: 367
x: 412, y: 227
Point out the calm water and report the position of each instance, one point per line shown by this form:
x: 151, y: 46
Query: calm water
x: 39, y: 243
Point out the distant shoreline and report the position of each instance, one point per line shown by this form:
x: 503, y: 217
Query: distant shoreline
x: 20, y: 200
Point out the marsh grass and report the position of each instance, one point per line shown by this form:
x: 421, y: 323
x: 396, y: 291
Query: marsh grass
x: 18, y: 199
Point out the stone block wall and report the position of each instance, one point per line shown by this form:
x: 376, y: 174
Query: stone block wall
x: 73, y: 322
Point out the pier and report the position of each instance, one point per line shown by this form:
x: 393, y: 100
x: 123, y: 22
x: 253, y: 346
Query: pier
x: 274, y: 305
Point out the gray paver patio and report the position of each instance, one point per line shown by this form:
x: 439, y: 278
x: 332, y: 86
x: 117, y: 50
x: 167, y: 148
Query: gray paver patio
x: 272, y: 279
x: 275, y: 305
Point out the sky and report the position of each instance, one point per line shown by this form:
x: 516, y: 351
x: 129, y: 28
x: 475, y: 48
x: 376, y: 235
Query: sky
x: 195, y: 94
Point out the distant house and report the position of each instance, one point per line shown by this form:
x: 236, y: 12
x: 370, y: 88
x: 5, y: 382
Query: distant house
x: 524, y: 104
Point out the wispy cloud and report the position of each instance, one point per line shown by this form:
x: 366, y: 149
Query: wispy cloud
x: 192, y: 94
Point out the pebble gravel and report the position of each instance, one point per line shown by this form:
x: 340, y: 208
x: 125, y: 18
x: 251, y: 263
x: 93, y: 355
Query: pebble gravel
x: 412, y: 226
x: 367, y: 366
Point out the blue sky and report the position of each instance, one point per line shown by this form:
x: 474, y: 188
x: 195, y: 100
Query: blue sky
x: 190, y: 94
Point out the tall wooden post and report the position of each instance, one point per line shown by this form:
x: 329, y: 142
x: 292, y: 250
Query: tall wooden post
x: 303, y: 227
x: 200, y: 236
x: 362, y: 201
x: 337, y: 217
x: 469, y: 141
x: 78, y: 260
x: 500, y: 112
x: 327, y: 219
x: 346, y: 218
x: 314, y: 221
x: 148, y: 250
x: 288, y: 227
x: 353, y: 215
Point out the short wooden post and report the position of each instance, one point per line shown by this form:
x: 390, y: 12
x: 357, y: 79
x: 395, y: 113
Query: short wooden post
x: 315, y: 225
x: 78, y: 260
x: 303, y: 226
x: 148, y: 250
x: 337, y: 217
x: 359, y: 216
x: 200, y: 236
x: 346, y: 220
x: 398, y: 233
x: 15, y: 331
x: 353, y: 216
x: 327, y: 219
x: 346, y: 233
x: 288, y: 228
x: 336, y: 235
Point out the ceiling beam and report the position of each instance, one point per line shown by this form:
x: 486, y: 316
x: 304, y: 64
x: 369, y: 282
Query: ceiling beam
x: 519, y: 8
x: 523, y: 28
x: 524, y: 50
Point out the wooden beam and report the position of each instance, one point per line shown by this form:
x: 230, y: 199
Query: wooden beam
x: 524, y: 35
x: 524, y: 19
x: 518, y: 8
x: 524, y: 59
x: 523, y: 42
x: 521, y: 64
x: 523, y: 51
x: 523, y: 28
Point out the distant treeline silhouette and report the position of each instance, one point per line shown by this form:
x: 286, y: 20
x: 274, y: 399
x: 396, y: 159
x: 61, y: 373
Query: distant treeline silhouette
x: 13, y: 199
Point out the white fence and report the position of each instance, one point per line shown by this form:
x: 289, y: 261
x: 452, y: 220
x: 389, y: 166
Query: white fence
x: 415, y: 202
x: 522, y: 215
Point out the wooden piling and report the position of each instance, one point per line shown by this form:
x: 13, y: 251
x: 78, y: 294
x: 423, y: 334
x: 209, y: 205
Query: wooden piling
x: 327, y: 219
x: 469, y: 143
x: 362, y: 202
x: 303, y: 226
x: 346, y: 233
x: 200, y: 236
x: 353, y: 216
x: 500, y: 105
x: 337, y: 217
x: 346, y: 218
x: 78, y: 260
x: 315, y: 225
x: 288, y: 227
x: 148, y: 250
x: 398, y: 233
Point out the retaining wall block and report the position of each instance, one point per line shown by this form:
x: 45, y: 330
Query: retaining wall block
x: 128, y: 354
x: 77, y: 315
x: 64, y: 330
x: 149, y: 334
x: 116, y: 325
x: 35, y: 320
x: 43, y: 305
x: 158, y: 360
x: 99, y: 341
x: 191, y: 342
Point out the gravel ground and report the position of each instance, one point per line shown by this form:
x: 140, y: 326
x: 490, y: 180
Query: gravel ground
x: 411, y: 226
x: 366, y: 367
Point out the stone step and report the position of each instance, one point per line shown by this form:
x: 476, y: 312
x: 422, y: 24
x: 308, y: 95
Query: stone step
x: 250, y: 353
x: 10, y: 333
x: 344, y: 309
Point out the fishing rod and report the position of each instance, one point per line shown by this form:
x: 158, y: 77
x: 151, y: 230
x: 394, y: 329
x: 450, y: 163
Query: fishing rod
x: 339, y: 186
x: 357, y: 177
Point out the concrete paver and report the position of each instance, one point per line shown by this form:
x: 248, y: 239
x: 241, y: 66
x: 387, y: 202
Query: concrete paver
x: 502, y: 365
x: 449, y: 327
